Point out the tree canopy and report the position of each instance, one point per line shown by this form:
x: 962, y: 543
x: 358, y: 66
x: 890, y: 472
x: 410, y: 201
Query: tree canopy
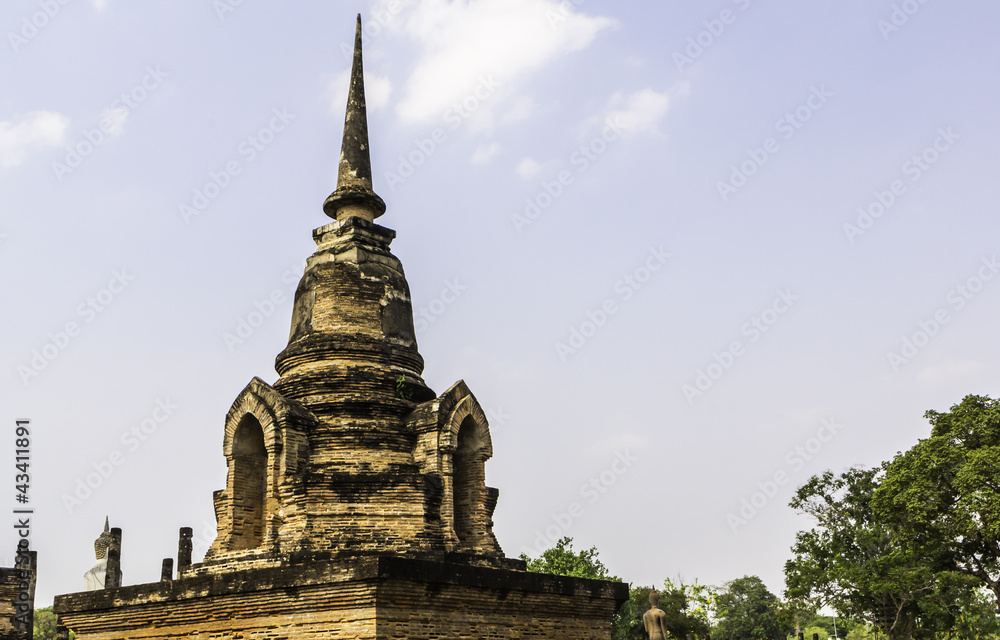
x: 561, y: 560
x: 748, y: 611
x: 944, y: 493
x: 675, y: 603
x: 627, y: 624
x: 853, y: 561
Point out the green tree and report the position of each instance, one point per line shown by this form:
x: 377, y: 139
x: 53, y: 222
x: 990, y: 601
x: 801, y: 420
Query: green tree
x: 748, y: 611
x: 852, y: 560
x: 627, y: 623
x: 45, y: 625
x: 977, y: 618
x: 701, y: 599
x: 800, y: 613
x: 944, y: 493
x: 561, y: 560
x: 858, y: 631
x: 819, y: 631
x: 680, y: 619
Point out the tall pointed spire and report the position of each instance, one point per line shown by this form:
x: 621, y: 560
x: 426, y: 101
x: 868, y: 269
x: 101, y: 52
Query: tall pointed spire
x: 354, y: 195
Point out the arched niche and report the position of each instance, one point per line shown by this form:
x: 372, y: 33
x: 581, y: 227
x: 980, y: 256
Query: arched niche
x: 249, y: 484
x: 468, y: 478
x: 470, y: 448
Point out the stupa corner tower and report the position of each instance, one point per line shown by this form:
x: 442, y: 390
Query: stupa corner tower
x: 355, y: 503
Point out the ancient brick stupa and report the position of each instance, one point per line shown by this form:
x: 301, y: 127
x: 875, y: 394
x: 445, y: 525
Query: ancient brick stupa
x: 355, y: 503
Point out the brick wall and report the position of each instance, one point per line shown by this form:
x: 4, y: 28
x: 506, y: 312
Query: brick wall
x: 13, y: 584
x: 383, y: 598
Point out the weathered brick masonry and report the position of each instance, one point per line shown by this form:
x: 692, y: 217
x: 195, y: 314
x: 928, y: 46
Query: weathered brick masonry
x: 356, y: 503
x: 17, y: 598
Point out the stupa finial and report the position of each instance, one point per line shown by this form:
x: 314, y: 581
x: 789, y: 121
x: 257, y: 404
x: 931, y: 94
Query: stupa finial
x: 354, y: 195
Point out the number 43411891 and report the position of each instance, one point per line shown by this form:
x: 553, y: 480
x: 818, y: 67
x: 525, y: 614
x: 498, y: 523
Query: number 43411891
x: 22, y: 460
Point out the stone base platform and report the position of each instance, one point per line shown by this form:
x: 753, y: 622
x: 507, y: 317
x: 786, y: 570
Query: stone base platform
x: 380, y: 597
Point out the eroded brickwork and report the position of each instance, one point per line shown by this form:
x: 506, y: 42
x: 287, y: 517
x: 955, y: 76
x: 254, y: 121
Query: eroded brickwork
x: 383, y: 598
x: 354, y: 453
x: 356, y: 503
x: 17, y: 603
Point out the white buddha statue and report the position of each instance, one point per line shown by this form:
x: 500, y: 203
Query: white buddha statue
x: 93, y: 580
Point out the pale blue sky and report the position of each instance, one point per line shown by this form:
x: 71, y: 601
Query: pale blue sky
x: 865, y: 101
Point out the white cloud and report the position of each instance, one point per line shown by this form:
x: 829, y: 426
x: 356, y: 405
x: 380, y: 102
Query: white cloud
x: 38, y: 129
x: 485, y: 152
x: 640, y: 111
x: 523, y: 107
x: 100, y: 5
x: 527, y: 168
x: 466, y: 41
x: 377, y: 91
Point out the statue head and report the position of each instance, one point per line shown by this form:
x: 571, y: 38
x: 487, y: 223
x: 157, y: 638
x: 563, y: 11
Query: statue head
x: 654, y: 599
x: 103, y: 541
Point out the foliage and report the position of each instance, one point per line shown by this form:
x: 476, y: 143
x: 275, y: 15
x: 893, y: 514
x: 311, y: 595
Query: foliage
x: 679, y: 621
x: 977, y: 618
x: 852, y: 561
x: 701, y: 599
x: 627, y: 623
x: 800, y: 613
x: 561, y: 560
x: 401, y: 389
x: 45, y: 625
x: 820, y: 631
x: 944, y: 493
x: 748, y: 611
x: 860, y: 631
x: 674, y: 602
